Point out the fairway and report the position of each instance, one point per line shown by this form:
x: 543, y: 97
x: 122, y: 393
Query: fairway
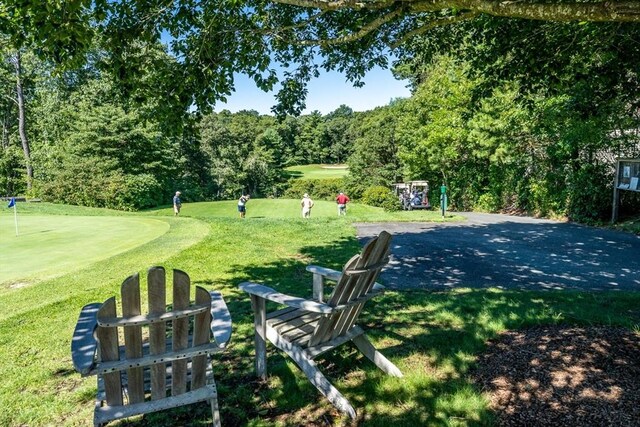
x: 318, y: 171
x: 290, y: 209
x: 52, y: 245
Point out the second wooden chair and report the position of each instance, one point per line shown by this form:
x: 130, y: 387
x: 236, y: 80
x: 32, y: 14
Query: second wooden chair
x: 308, y: 328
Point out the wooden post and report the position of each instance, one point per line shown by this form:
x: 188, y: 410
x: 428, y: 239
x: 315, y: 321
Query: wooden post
x: 260, y: 322
x: 616, y: 195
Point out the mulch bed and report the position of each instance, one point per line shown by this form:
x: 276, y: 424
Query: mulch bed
x: 563, y: 376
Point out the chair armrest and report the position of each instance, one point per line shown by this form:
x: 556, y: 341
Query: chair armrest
x: 325, y: 272
x: 84, y: 344
x: 220, y: 319
x: 288, y: 300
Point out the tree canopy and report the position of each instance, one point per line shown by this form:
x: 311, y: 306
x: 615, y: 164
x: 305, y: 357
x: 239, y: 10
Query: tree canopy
x: 213, y: 40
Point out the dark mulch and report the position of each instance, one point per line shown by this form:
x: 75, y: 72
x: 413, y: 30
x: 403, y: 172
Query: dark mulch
x: 563, y: 376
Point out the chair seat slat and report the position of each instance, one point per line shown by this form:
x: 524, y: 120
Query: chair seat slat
x: 302, y: 318
x: 283, y: 314
x: 146, y: 319
x: 298, y: 332
x: 107, y: 413
x: 106, y: 367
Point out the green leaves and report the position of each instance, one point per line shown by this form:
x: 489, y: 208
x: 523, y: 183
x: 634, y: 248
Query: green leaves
x: 59, y: 30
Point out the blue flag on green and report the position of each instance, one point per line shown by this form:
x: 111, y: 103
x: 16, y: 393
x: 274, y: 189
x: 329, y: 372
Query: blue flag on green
x: 12, y: 202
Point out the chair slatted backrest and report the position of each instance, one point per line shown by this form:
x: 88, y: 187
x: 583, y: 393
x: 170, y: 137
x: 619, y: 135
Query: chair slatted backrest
x: 133, y: 323
x: 358, y: 277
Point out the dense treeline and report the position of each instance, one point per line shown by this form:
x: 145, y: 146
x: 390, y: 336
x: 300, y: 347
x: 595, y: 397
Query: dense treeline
x: 531, y: 125
x: 533, y: 122
x: 96, y: 140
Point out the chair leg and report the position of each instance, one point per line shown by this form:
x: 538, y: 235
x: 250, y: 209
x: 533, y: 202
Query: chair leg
x: 365, y: 346
x: 316, y: 377
x: 215, y: 413
x: 325, y: 387
x: 260, y: 321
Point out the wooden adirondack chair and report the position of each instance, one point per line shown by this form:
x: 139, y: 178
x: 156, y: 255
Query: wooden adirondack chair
x: 168, y: 369
x: 307, y: 328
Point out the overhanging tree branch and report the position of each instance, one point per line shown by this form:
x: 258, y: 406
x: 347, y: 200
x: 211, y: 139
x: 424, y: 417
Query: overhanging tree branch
x: 609, y: 11
x: 432, y: 24
x: 362, y: 32
x: 339, y: 4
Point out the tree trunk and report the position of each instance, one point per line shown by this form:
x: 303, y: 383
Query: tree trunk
x: 602, y: 11
x: 5, y: 129
x: 21, y: 119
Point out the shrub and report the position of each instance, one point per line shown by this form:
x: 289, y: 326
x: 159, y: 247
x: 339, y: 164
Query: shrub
x: 589, y: 195
x: 136, y: 192
x: 87, y: 183
x: 381, y: 197
x: 488, y: 202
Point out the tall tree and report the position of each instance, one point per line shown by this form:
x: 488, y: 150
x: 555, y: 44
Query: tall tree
x: 577, y: 88
x: 16, y: 61
x: 309, y: 141
x: 374, y: 160
x: 17, y: 74
x: 339, y: 133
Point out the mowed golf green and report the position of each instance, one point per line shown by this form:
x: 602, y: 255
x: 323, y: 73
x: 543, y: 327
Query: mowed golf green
x: 50, y: 245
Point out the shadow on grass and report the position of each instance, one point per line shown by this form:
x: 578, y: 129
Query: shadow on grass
x: 433, y: 337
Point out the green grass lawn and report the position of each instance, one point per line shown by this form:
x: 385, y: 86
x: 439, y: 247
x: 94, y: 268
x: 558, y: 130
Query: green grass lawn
x: 67, y: 243
x: 318, y: 171
x: 433, y: 337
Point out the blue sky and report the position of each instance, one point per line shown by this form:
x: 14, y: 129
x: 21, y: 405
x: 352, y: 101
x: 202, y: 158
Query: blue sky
x: 326, y: 93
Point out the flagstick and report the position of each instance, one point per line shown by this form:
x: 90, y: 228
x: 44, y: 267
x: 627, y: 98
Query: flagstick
x: 15, y: 218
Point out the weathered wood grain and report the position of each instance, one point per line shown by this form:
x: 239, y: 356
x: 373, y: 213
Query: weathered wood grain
x: 163, y: 367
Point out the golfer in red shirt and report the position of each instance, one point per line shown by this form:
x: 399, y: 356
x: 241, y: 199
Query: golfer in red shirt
x: 342, y: 201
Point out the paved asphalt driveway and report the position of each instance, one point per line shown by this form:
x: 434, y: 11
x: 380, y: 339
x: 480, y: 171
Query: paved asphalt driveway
x: 508, y: 252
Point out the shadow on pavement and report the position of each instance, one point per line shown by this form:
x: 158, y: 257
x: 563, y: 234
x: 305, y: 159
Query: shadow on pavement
x: 510, y: 255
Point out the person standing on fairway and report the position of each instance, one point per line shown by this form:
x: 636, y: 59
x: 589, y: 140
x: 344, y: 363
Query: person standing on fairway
x: 342, y: 201
x: 177, y: 204
x: 306, y: 204
x: 242, y: 204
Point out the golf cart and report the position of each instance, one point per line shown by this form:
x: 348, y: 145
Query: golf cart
x: 413, y: 195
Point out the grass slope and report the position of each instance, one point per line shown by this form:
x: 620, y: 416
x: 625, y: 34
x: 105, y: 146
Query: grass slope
x: 433, y: 337
x: 290, y: 209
